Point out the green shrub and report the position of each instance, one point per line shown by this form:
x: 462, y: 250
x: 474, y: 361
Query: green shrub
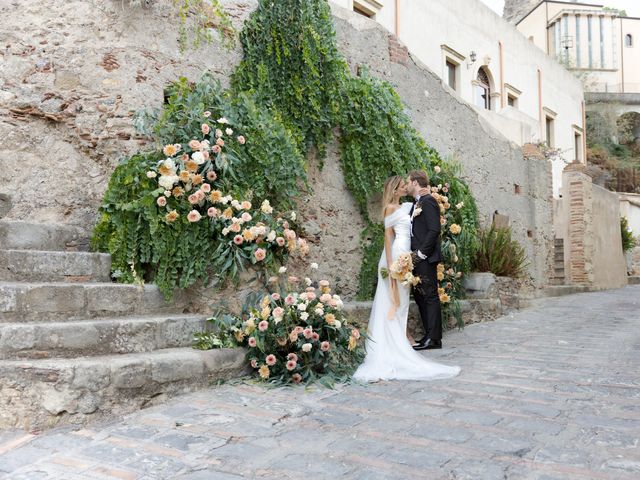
x: 628, y: 241
x: 499, y: 254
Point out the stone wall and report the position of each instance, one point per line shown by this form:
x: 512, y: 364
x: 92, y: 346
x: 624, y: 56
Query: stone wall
x: 591, y: 231
x: 501, y: 177
x: 73, y: 74
x: 633, y: 261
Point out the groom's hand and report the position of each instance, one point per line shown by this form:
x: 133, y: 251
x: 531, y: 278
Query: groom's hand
x: 415, y: 259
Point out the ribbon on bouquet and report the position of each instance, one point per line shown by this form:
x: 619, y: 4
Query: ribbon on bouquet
x: 395, y: 298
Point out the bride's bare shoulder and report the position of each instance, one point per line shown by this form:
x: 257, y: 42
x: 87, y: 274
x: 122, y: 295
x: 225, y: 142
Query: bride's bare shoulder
x: 390, y: 209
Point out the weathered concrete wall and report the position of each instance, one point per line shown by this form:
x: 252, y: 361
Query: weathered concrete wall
x: 591, y: 224
x: 74, y: 72
x: 609, y: 262
x: 492, y: 165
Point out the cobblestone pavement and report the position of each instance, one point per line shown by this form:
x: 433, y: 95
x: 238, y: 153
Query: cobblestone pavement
x: 552, y: 392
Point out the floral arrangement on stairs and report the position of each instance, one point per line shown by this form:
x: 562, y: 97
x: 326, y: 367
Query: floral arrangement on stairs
x: 296, y: 334
x: 200, y: 205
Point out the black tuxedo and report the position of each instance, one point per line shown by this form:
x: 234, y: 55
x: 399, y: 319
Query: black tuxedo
x: 425, y: 238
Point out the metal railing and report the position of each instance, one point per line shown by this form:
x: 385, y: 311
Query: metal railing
x: 612, y: 87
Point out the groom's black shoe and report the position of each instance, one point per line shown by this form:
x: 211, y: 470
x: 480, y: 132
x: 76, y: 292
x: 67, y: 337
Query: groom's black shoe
x: 422, y: 341
x: 428, y: 344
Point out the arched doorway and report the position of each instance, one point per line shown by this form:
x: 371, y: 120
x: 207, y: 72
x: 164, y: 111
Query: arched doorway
x: 483, y: 88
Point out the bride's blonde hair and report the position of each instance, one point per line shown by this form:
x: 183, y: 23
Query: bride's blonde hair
x: 391, y: 185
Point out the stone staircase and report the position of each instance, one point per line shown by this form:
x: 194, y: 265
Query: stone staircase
x: 558, y: 277
x: 74, y: 346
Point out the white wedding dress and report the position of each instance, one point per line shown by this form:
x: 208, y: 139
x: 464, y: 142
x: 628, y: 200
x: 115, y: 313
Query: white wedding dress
x: 389, y: 353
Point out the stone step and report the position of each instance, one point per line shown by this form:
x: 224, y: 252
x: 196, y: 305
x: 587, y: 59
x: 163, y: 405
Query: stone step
x: 43, y: 393
x: 41, y: 236
x: 24, y: 302
x: 47, y: 266
x: 97, y: 337
x: 561, y: 290
x: 473, y: 310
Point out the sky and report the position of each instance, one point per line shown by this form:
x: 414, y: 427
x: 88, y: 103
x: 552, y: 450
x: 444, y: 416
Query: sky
x: 631, y: 6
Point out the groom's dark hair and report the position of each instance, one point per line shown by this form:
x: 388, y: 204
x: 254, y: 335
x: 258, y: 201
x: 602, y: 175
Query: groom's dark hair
x: 419, y: 176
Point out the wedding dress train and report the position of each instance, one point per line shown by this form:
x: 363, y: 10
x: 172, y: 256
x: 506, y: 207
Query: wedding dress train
x: 389, y: 353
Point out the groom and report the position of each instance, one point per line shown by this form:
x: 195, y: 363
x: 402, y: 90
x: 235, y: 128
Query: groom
x: 425, y: 251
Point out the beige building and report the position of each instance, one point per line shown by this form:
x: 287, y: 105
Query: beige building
x: 597, y: 43
x: 518, y: 89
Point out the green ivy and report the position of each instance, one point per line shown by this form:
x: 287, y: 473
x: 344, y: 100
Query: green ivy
x: 292, y: 64
x: 628, y: 241
x: 197, y: 20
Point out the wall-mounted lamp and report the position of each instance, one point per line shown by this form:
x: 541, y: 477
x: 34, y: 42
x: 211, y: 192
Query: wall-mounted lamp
x: 472, y: 59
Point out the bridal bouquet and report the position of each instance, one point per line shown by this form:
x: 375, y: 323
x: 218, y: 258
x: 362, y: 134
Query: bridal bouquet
x: 402, y: 270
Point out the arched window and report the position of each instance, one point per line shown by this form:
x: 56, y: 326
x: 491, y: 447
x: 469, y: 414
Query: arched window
x: 628, y: 40
x: 483, y: 89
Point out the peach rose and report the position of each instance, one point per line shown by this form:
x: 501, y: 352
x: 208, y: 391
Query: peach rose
x: 278, y: 312
x: 260, y: 254
x: 194, y: 216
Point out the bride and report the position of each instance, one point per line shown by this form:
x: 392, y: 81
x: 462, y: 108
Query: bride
x: 389, y: 353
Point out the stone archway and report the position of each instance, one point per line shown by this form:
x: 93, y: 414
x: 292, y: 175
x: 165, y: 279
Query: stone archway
x: 484, y: 88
